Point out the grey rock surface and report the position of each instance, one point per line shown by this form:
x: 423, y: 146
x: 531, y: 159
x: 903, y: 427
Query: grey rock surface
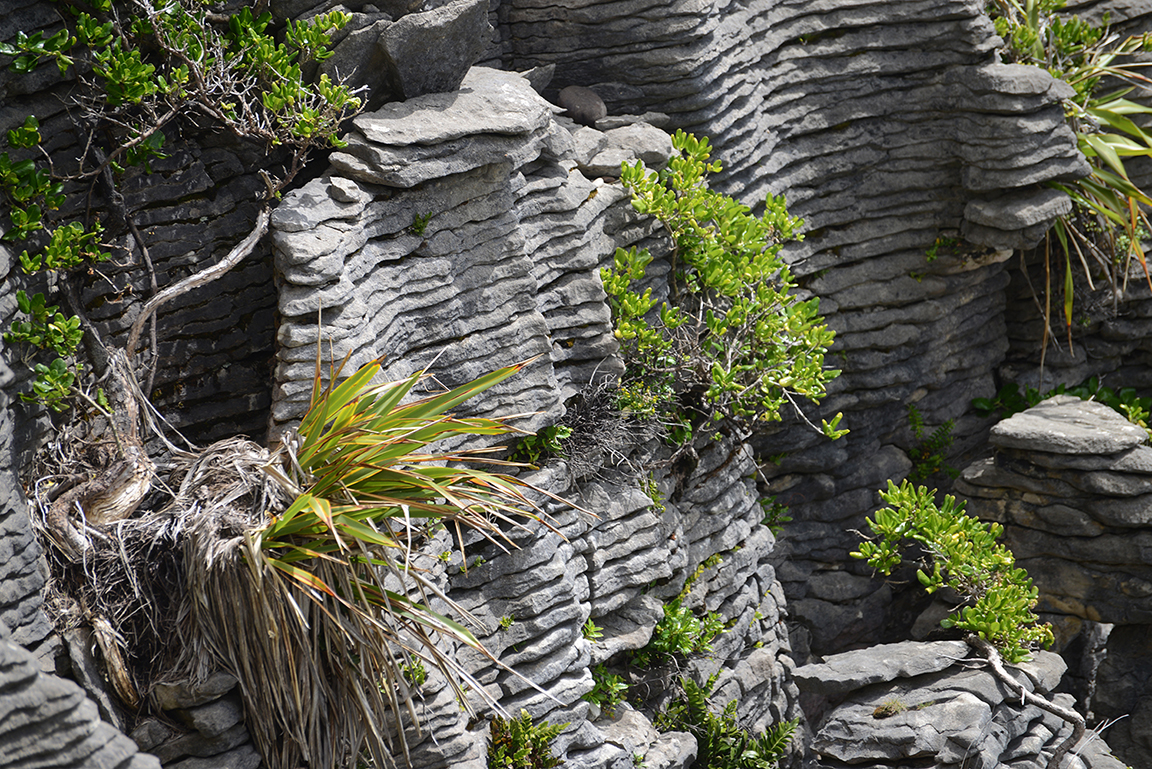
x: 1069, y: 482
x: 468, y: 227
x: 849, y: 671
x: 47, y: 721
x: 170, y: 696
x: 487, y: 102
x: 1065, y: 424
x: 900, y: 703
x: 431, y: 51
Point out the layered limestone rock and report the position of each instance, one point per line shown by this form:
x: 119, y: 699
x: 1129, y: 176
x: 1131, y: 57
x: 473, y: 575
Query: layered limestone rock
x: 1071, y: 481
x: 888, y: 126
x: 616, y: 570
x: 456, y: 228
x: 467, y: 228
x: 47, y: 721
x: 21, y: 570
x: 919, y: 704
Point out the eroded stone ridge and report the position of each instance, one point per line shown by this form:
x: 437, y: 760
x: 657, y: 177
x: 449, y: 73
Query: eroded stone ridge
x: 889, y: 126
x: 890, y: 705
x: 47, y: 721
x: 457, y: 228
x: 1071, y: 482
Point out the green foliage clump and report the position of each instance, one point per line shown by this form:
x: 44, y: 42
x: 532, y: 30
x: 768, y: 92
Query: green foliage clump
x: 142, y: 66
x: 651, y: 489
x: 32, y: 194
x: 929, y: 454
x: 420, y: 223
x: 414, y: 673
x: 942, y: 243
x: 961, y: 553
x: 368, y: 488
x: 608, y: 690
x: 721, y: 742
x: 733, y: 343
x: 591, y: 631
x: 47, y: 329
x: 680, y: 633
x: 546, y: 442
x: 235, y: 73
x: 518, y: 744
x: 775, y: 514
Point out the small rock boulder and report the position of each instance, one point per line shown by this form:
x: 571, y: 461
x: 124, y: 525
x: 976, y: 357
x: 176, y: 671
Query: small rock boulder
x: 431, y: 52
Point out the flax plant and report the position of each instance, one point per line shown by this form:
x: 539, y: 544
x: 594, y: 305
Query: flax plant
x: 1105, y: 229
x: 319, y: 609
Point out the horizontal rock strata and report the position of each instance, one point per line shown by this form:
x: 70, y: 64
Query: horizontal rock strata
x: 454, y: 228
x: 1071, y: 481
x: 918, y: 704
x: 47, y: 721
x: 889, y: 126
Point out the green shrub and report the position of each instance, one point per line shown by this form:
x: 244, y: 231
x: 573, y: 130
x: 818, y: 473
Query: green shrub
x: 608, y: 690
x: 733, y: 343
x: 517, y: 744
x: 591, y: 631
x: 368, y: 485
x: 721, y: 743
x: 680, y: 633
x: 143, y: 67
x: 961, y: 553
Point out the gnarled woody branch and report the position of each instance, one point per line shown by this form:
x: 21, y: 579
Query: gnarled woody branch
x: 205, y: 276
x: 988, y: 651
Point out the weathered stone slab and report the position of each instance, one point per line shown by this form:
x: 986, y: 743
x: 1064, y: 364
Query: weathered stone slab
x: 430, y: 52
x: 1065, y: 424
x: 842, y: 673
x: 488, y: 101
x: 854, y: 735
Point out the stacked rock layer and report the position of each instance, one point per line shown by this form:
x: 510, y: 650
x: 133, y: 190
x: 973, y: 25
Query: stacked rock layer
x: 1071, y: 481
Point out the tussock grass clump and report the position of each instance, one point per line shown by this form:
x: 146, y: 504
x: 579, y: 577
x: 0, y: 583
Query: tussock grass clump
x: 298, y: 570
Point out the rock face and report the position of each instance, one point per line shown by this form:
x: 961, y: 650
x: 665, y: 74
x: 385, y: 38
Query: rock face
x: 882, y: 153
x: 453, y: 228
x: 615, y: 571
x: 882, y: 150
x: 1071, y: 482
x: 48, y: 721
x: 21, y: 574
x: 921, y: 704
x: 466, y: 225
